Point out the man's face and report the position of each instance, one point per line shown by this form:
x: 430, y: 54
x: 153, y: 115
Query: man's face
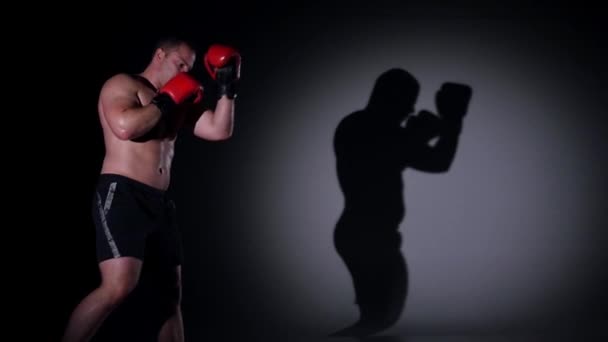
x: 177, y: 60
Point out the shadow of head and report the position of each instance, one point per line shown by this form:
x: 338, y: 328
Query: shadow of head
x: 394, y: 95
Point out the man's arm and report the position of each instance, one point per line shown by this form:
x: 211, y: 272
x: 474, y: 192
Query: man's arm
x: 224, y: 66
x: 125, y: 114
x: 216, y: 124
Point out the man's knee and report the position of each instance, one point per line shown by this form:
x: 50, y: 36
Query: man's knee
x: 118, y: 291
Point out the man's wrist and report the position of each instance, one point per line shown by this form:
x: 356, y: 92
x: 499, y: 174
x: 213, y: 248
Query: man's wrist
x: 164, y: 103
x: 229, y: 90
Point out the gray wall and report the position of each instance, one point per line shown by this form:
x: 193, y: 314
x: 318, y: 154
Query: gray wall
x: 511, y: 236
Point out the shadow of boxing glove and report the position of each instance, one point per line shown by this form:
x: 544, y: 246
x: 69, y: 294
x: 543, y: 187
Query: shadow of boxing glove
x: 425, y: 125
x: 452, y: 100
x: 180, y: 89
x: 224, y: 66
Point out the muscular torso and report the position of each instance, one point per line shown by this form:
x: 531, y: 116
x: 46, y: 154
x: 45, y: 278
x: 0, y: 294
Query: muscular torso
x: 149, y: 160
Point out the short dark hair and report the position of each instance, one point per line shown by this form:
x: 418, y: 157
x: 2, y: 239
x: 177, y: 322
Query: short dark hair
x: 170, y: 42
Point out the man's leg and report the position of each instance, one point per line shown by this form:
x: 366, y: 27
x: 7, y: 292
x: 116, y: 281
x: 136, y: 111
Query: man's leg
x: 172, y: 329
x: 119, y: 277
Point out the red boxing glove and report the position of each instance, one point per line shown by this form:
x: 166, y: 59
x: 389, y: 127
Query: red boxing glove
x: 224, y: 65
x: 178, y: 90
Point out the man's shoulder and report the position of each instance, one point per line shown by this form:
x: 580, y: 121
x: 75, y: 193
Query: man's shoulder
x: 120, y: 78
x: 120, y: 82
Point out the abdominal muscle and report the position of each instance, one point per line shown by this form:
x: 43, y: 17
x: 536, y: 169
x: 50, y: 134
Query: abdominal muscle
x: 148, y: 162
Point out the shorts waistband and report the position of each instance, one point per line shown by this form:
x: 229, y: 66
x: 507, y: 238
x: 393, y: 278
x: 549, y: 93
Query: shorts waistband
x: 111, y: 177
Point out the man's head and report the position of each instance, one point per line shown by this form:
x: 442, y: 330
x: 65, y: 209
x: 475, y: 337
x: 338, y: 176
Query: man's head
x: 394, y: 95
x: 171, y: 56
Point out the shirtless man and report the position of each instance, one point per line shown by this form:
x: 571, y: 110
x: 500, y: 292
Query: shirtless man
x: 140, y: 115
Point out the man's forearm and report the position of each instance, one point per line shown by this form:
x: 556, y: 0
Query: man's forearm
x: 223, y: 118
x: 135, y: 122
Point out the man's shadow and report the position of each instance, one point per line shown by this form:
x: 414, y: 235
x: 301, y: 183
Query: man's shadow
x: 373, y: 146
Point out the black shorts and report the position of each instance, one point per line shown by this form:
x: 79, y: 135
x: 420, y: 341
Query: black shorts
x: 134, y: 219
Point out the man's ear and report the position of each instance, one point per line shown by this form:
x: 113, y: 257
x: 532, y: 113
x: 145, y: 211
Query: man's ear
x: 159, y: 54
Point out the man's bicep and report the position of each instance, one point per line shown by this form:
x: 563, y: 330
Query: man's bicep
x: 113, y: 107
x: 203, y: 127
x: 116, y: 99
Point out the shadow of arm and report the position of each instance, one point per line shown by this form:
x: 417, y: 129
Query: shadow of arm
x: 439, y: 157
